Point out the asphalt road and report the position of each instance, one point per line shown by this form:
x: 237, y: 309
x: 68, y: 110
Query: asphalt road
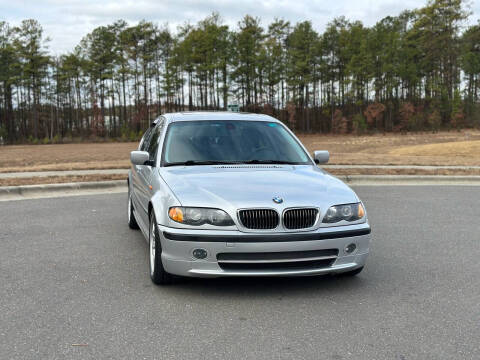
x: 74, y: 284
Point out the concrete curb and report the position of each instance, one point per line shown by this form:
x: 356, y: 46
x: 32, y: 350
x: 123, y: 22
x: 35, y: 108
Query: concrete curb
x: 65, y: 189
x: 410, y: 180
x: 117, y: 186
x: 408, y: 167
x: 34, y: 174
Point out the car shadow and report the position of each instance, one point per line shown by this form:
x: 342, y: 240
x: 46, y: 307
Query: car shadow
x: 267, y: 286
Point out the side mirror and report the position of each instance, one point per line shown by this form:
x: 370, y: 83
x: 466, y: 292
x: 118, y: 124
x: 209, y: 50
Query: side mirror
x: 321, y: 156
x: 139, y: 157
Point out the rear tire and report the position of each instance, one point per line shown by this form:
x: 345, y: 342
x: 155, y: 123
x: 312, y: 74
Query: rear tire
x: 353, y: 272
x: 132, y: 222
x: 157, y: 272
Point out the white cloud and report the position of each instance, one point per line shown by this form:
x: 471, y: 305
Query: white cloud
x: 67, y: 21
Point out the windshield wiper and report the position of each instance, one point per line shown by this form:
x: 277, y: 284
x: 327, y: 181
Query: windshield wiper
x: 254, y: 161
x: 220, y: 162
x: 199, y: 162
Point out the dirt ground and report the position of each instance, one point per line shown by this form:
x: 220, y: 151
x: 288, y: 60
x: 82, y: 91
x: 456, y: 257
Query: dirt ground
x: 444, y: 148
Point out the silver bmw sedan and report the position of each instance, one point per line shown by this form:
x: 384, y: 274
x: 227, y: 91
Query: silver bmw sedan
x: 232, y: 194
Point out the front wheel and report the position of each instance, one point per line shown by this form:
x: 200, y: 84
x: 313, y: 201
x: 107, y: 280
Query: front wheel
x: 157, y: 272
x: 132, y: 222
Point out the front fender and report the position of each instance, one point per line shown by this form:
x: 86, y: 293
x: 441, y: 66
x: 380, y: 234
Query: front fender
x: 162, y: 199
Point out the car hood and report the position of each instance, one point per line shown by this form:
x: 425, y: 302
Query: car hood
x: 231, y: 187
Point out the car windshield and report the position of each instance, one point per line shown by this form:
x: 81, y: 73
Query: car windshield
x: 223, y: 142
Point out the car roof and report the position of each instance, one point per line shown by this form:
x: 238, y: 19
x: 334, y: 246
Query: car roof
x: 216, y: 115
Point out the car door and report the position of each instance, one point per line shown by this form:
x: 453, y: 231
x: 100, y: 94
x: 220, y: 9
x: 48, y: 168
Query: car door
x: 137, y: 181
x: 147, y: 171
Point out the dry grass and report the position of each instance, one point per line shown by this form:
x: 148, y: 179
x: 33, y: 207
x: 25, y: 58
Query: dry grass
x: 17, y: 158
x: 444, y: 148
x: 458, y: 148
x: 59, y: 179
x: 91, y: 165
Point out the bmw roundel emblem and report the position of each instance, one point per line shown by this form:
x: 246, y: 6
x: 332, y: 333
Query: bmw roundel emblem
x: 277, y: 200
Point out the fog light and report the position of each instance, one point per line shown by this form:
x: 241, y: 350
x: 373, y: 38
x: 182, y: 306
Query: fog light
x: 199, y: 253
x: 350, y: 248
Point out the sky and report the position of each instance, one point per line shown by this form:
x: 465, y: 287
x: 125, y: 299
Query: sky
x: 65, y: 22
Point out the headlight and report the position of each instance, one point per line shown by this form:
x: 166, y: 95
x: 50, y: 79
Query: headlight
x: 348, y: 212
x: 199, y: 216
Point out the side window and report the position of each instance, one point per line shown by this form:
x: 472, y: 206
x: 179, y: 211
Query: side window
x: 145, y: 140
x: 154, y: 140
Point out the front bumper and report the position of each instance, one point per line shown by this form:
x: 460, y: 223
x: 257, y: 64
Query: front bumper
x: 178, y: 246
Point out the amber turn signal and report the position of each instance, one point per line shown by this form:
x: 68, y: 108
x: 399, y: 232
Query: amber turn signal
x: 176, y: 214
x: 361, y: 211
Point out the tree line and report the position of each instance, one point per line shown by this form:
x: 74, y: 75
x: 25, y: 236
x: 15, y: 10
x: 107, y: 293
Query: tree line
x: 415, y: 71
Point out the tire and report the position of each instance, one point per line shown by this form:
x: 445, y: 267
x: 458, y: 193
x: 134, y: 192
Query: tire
x: 157, y: 272
x: 132, y: 222
x: 353, y: 272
